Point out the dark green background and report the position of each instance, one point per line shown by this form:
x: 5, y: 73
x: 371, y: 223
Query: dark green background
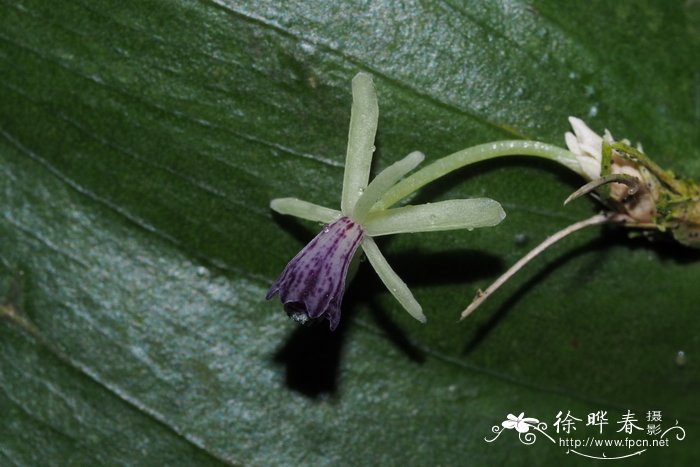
x: 140, y: 144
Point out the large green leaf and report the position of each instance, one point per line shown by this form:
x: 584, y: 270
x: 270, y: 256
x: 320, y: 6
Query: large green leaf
x: 141, y: 142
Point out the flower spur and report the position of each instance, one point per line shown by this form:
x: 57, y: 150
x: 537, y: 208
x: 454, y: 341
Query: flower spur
x: 313, y: 282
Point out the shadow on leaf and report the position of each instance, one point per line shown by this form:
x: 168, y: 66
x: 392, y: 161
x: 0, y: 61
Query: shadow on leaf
x: 311, y: 357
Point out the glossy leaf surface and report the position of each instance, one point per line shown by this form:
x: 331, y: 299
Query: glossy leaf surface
x: 140, y: 145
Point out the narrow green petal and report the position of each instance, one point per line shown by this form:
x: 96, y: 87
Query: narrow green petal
x: 304, y: 209
x: 472, y: 155
x: 383, y: 182
x: 391, y: 280
x: 363, y: 127
x: 431, y: 217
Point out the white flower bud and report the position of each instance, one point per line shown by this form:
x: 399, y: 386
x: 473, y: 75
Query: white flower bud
x: 587, y: 146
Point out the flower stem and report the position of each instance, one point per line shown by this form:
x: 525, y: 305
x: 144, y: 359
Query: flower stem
x: 481, y: 296
x: 471, y: 155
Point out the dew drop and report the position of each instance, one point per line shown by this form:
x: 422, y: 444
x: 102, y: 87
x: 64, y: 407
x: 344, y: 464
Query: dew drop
x: 593, y: 111
x: 521, y: 238
x: 202, y: 271
x: 307, y: 47
x: 681, y: 359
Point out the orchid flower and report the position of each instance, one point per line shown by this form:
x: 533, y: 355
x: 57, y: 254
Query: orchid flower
x: 636, y: 193
x: 313, y: 283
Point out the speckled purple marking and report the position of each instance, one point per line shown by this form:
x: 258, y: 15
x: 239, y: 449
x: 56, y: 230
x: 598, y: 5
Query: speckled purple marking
x: 313, y: 283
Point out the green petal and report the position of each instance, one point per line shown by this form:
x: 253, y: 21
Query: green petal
x: 383, y: 182
x: 391, y: 280
x: 432, y: 217
x: 363, y: 127
x: 304, y: 209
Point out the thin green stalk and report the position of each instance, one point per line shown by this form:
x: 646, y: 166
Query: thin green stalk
x: 476, y: 154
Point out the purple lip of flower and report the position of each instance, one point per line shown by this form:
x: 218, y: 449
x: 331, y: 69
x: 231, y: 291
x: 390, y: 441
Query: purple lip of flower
x: 313, y: 283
